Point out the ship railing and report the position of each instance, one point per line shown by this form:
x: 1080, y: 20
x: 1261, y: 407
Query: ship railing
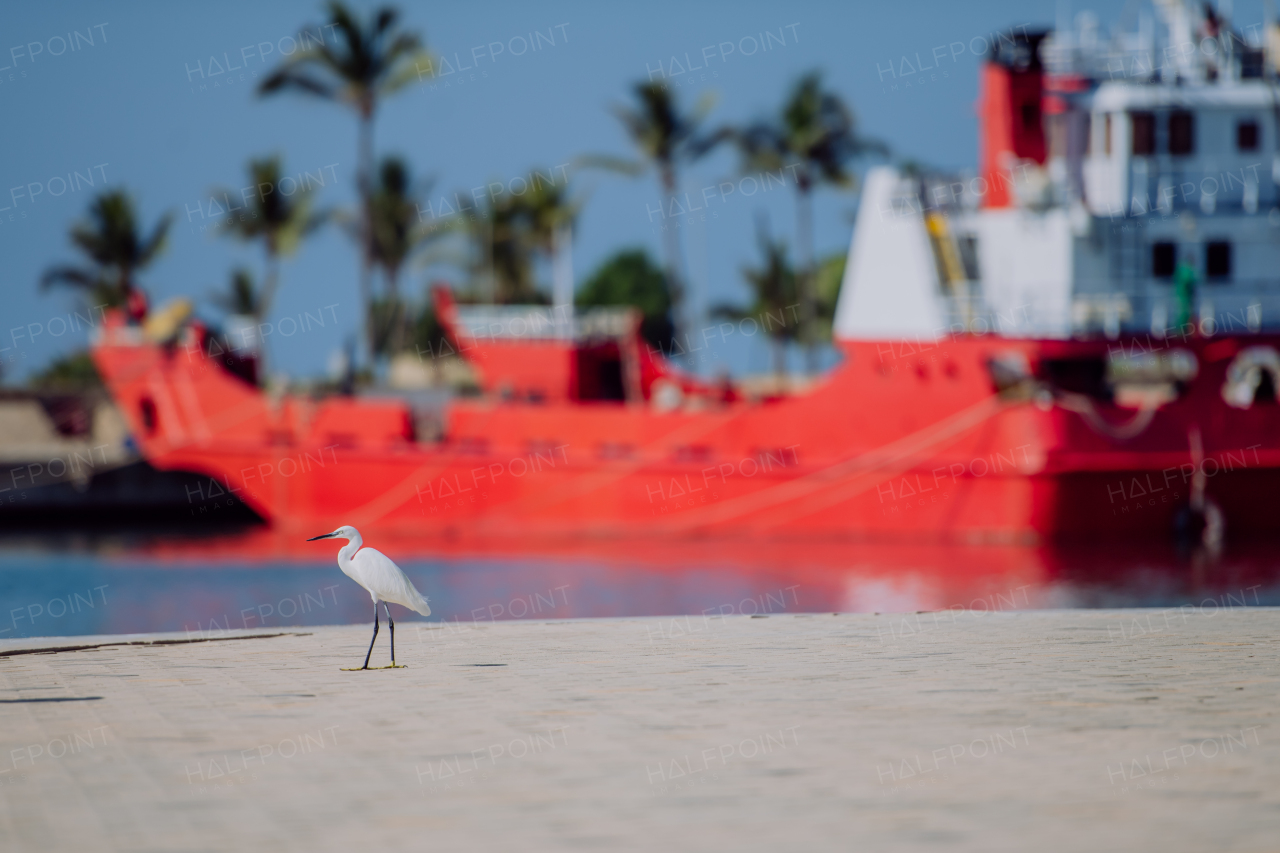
x: 117, y: 335
x: 1159, y: 185
x: 1231, y: 54
x: 1240, y: 308
x: 1099, y: 61
x: 542, y: 322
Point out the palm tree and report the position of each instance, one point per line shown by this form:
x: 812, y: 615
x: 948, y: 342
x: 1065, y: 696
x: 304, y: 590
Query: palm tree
x: 551, y: 214
x: 667, y: 140
x: 239, y: 346
x: 510, y: 231
x: 814, y: 138
x: 392, y: 215
x: 279, y: 221
x: 774, y: 285
x: 397, y: 235
x: 510, y: 250
x: 369, y: 63
x: 500, y: 261
x: 117, y: 251
x: 242, y: 297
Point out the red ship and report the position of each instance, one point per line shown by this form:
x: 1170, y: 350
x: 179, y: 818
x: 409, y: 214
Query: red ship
x: 1018, y: 365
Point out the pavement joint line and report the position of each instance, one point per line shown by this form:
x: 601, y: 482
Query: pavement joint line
x: 53, y: 650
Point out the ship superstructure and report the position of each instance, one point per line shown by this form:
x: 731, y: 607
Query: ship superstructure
x: 1106, y: 162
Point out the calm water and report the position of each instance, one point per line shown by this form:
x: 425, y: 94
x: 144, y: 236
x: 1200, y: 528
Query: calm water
x: 56, y: 587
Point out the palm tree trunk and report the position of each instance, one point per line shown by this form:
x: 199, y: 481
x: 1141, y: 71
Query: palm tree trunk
x: 780, y: 360
x: 395, y: 315
x: 364, y: 182
x: 269, y: 285
x: 264, y: 305
x: 671, y: 246
x: 808, y: 308
x: 562, y: 277
x: 127, y: 287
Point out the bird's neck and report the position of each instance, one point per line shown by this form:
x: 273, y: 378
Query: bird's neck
x: 349, y: 550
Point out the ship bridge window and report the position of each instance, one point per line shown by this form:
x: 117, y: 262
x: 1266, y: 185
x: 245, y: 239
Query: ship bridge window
x: 598, y: 370
x: 1144, y: 133
x: 1252, y: 62
x: 1164, y: 258
x: 968, y: 246
x: 1217, y: 260
x: 1182, y: 132
x: 1247, y: 136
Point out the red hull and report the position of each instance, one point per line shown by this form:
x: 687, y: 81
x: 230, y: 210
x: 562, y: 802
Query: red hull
x: 896, y: 443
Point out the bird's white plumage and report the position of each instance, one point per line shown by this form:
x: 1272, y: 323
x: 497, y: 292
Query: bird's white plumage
x: 376, y: 572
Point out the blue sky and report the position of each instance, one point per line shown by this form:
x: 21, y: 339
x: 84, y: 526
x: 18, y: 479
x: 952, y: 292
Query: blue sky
x: 139, y: 108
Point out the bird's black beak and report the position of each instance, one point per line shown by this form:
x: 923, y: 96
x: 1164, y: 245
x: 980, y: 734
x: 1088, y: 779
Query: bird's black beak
x: 322, y: 536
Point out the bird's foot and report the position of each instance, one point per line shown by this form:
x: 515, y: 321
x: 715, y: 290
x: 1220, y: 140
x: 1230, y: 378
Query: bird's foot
x: 354, y: 668
x: 391, y: 666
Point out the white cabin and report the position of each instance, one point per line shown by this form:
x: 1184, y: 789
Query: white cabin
x: 1106, y: 163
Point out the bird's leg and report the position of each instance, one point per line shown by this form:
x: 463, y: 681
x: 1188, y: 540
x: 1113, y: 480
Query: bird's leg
x: 393, y: 664
x: 393, y: 638
x: 375, y: 636
x: 371, y: 642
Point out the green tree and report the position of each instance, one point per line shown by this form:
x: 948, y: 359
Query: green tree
x: 505, y: 249
x: 510, y: 231
x: 826, y: 290
x: 117, y: 251
x: 369, y: 62
x: 504, y: 242
x: 74, y: 373
x: 551, y: 213
x: 398, y: 235
x: 428, y: 333
x: 241, y: 296
x: 667, y: 139
x: 278, y: 221
x: 775, y: 288
x: 814, y: 139
x: 630, y: 277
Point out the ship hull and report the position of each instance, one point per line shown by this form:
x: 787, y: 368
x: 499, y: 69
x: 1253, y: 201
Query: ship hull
x: 901, y: 442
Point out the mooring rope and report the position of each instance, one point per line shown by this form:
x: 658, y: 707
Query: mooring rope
x: 896, y: 456
x: 1083, y: 406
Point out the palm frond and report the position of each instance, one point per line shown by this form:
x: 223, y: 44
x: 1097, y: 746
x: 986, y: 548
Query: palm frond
x: 154, y: 244
x: 74, y: 276
x: 385, y: 19
x: 294, y: 78
x: 609, y: 163
x: 363, y: 64
x: 109, y: 238
x: 701, y: 145
x: 241, y: 296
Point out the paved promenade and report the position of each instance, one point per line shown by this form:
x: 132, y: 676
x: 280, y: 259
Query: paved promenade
x: 1085, y: 730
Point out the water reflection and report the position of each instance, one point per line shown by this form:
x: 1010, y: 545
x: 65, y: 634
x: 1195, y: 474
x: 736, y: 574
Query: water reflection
x: 262, y: 580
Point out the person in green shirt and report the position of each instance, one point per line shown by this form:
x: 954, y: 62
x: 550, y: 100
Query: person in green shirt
x: 1184, y: 290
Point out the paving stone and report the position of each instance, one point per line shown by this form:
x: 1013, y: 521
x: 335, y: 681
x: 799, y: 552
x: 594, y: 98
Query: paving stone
x: 1068, y: 730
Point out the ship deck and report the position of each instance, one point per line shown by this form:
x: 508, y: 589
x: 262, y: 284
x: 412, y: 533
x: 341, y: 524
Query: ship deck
x: 1067, y: 730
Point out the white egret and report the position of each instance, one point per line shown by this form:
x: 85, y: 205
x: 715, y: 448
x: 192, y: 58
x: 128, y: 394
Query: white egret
x: 384, y: 580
